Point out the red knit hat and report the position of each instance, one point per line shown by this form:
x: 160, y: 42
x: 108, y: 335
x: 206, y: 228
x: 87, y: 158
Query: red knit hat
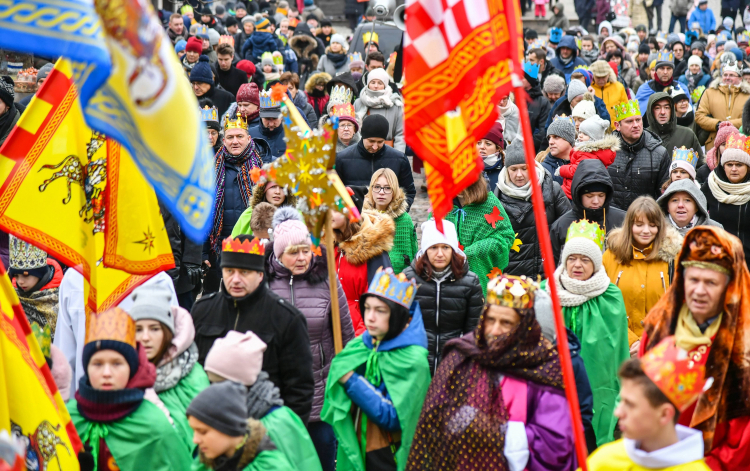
x: 495, y: 135
x: 247, y: 67
x: 248, y: 93
x: 194, y: 45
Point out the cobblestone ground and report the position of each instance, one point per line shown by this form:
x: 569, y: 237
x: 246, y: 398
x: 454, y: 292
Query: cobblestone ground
x: 421, y: 207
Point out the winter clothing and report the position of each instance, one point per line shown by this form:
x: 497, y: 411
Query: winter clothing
x: 318, y: 99
x: 613, y: 93
x: 222, y: 407
x: 274, y: 138
x: 705, y: 18
x: 603, y: 150
x: 671, y: 134
x: 586, y: 109
x: 701, y: 206
x: 639, y: 169
x: 652, y: 86
x: 558, y: 20
x: 352, y: 163
x: 539, y: 110
x: 405, y: 240
x: 726, y: 129
x: 237, y: 357
x: 574, y: 61
x: 589, y: 172
x: 221, y: 98
x: 231, y: 80
x: 287, y: 431
x: 562, y: 107
x: 387, y: 104
x: 258, y: 43
x: 259, y: 196
x: 334, y: 63
x: 594, y: 127
x: 563, y: 128
x: 279, y: 324
x: 721, y: 103
x: 734, y: 217
x: 41, y: 302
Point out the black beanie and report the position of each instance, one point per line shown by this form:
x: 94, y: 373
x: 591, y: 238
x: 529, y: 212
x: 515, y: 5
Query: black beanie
x: 644, y: 49
x: 375, y: 126
x: 230, y: 21
x: 531, y: 34
x: 7, y: 95
x: 222, y: 406
x: 595, y: 187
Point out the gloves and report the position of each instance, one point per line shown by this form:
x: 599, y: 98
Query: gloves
x: 194, y: 273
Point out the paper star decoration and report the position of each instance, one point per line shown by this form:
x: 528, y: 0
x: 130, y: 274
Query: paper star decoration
x: 494, y: 273
x: 494, y: 217
x: 517, y: 244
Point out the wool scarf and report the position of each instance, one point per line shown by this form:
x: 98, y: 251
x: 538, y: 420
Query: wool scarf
x: 729, y: 193
x: 376, y: 98
x: 337, y: 58
x: 245, y: 162
x: 576, y: 292
x: 510, y: 189
x: 169, y: 374
x: 262, y: 396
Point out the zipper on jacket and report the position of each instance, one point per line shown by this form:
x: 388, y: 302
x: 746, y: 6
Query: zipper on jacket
x: 617, y: 281
x: 291, y: 288
x: 237, y: 319
x: 663, y: 284
x: 437, y: 326
x: 322, y: 357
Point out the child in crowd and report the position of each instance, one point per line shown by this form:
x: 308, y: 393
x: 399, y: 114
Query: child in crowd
x: 593, y: 143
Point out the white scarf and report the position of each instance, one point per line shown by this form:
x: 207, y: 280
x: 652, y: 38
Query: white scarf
x: 576, y: 292
x: 728, y: 193
x: 490, y: 160
x: 520, y: 193
x: 376, y: 98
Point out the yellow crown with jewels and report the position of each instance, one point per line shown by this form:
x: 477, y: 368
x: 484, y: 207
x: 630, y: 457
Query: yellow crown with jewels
x: 396, y: 288
x: 239, y: 123
x: 516, y: 292
x: 688, y: 155
x: 587, y: 230
x: 627, y: 109
x: 340, y: 94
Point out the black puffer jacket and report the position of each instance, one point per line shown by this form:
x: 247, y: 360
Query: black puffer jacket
x: 528, y: 259
x: 589, y: 171
x: 639, y: 169
x: 734, y: 217
x: 450, y: 308
x: 539, y: 109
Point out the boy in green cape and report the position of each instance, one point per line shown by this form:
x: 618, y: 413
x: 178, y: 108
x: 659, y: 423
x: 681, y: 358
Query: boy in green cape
x: 377, y: 384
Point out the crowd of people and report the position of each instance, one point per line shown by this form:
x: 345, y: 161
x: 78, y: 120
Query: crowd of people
x: 228, y: 361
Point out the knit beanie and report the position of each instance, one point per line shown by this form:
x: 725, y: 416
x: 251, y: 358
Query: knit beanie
x: 545, y: 317
x: 288, y: 230
x: 179, y: 46
x: 379, y: 74
x: 563, y: 128
x: 237, y: 357
x: 375, y: 126
x: 584, y: 109
x: 644, y: 49
x: 202, y: 72
x: 576, y: 88
x: 594, y: 127
x: 152, y: 302
x: 683, y: 165
x: 249, y: 68
x: 432, y: 236
x: 339, y: 38
x: 7, y: 94
x: 728, y: 23
x: 735, y: 155
x: 213, y: 37
x: 726, y: 129
x: 729, y: 45
x: 495, y: 135
x: 554, y: 84
x: 263, y: 25
x: 194, y: 44
x: 248, y: 93
x: 247, y: 19
x: 267, y: 60
x: 47, y: 68
x: 695, y: 60
x: 223, y: 407
x: 230, y: 21
x: 582, y: 246
x: 514, y: 154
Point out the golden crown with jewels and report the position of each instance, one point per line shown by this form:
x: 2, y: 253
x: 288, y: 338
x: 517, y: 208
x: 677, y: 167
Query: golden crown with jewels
x: 239, y: 123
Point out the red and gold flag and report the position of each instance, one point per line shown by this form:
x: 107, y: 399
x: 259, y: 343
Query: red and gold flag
x: 457, y: 64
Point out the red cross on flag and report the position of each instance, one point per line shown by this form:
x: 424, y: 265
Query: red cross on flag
x: 457, y: 63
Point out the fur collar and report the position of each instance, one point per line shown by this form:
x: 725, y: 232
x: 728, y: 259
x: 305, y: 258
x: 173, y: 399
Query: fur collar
x: 744, y: 87
x: 256, y: 442
x: 397, y: 207
x: 321, y: 78
x: 303, y: 45
x: 670, y: 246
x: 374, y: 237
x: 609, y: 142
x: 260, y: 191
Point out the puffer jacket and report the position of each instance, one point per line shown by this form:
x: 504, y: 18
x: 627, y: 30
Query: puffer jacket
x: 671, y: 134
x: 573, y: 62
x: 451, y: 307
x: 258, y: 43
x: 688, y: 186
x: 310, y: 292
x: 718, y: 104
x: 526, y: 258
x: 734, y: 217
x: 639, y: 169
x: 539, y: 108
x: 608, y: 216
x: 613, y: 93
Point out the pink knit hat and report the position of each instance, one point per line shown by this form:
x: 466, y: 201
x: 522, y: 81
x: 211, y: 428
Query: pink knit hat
x: 237, y: 357
x: 288, y: 229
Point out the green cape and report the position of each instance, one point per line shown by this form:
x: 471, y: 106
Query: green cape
x: 143, y: 440
x: 406, y: 374
x: 291, y: 438
x: 177, y: 400
x: 404, y: 243
x: 242, y: 226
x: 601, y: 324
x: 273, y: 460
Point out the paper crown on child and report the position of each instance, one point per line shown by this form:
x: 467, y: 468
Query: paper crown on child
x: 186, y: 9
x: 675, y: 373
x: 112, y: 324
x: 532, y: 70
x: 266, y: 102
x: 340, y: 94
x: 687, y: 155
x: 555, y: 35
x: 697, y: 93
x: 587, y: 230
x: 226, y: 39
x: 396, y: 288
x: 24, y: 256
x: 516, y: 292
x: 277, y: 58
x: 368, y: 38
x: 210, y: 114
x: 355, y: 57
x: 239, y: 123
x: 344, y: 109
x: 660, y: 38
x: 627, y: 109
x: 743, y: 38
x: 246, y: 246
x: 726, y: 35
x: 201, y: 31
x: 43, y: 337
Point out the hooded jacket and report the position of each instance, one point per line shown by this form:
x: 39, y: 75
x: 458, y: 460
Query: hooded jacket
x: 720, y: 103
x: 735, y: 218
x: 258, y: 43
x: 612, y: 93
x: 306, y: 48
x: 639, y: 169
x: 559, y: 20
x: 317, y: 99
x: 567, y: 67
x: 274, y: 138
x: 562, y: 107
x: 701, y: 206
x: 671, y: 134
x: 608, y: 216
x: 603, y: 150
x: 651, y: 87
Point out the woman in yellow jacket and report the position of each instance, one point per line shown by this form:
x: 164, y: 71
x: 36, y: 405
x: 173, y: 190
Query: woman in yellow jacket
x: 607, y: 87
x: 640, y: 261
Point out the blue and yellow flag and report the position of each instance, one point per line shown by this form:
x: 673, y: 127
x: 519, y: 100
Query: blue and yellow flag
x: 132, y: 89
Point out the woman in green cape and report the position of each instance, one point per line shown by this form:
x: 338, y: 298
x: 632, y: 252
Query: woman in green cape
x: 239, y: 357
x: 227, y: 440
x: 125, y: 432
x: 377, y: 384
x: 167, y: 335
x: 594, y: 310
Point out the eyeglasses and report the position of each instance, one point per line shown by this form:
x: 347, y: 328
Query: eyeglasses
x: 346, y: 126
x: 384, y: 189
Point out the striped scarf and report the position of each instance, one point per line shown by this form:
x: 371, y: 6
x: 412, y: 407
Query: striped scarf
x: 246, y: 161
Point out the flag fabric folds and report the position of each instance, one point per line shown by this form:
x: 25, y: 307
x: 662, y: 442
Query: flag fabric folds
x: 31, y: 407
x: 79, y: 195
x: 457, y: 66
x: 132, y: 89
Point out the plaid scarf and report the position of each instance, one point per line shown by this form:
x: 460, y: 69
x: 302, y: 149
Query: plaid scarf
x: 246, y: 161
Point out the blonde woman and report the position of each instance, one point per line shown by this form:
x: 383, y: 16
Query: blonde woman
x: 335, y: 61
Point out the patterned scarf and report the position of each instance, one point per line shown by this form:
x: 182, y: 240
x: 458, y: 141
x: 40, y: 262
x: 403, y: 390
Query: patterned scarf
x: 168, y: 375
x: 246, y: 161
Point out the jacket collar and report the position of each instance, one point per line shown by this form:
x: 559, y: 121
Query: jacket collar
x: 363, y: 152
x: 245, y: 301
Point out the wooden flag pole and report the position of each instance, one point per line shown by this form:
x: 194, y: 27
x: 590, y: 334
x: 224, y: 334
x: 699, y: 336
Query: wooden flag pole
x: 333, y: 282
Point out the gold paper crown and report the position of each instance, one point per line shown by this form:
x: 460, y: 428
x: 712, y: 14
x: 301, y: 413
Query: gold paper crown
x: 112, y: 324
x: 345, y: 109
x: 627, y: 109
x: 516, y: 292
x: 210, y: 113
x: 43, y: 337
x: 239, y: 123
x: 235, y: 245
x: 396, y: 288
x: 366, y: 38
x: 587, y: 230
x: 739, y: 142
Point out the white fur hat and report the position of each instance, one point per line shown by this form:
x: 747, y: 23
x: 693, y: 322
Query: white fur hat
x: 431, y: 236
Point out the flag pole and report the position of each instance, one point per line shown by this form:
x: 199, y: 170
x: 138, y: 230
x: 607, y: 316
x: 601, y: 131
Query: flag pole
x: 333, y: 282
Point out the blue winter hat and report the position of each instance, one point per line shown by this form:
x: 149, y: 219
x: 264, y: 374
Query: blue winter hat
x: 586, y: 74
x: 202, y: 72
x: 180, y: 46
x: 555, y: 35
x: 737, y: 53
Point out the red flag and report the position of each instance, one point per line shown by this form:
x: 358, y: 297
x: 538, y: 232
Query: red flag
x: 457, y: 63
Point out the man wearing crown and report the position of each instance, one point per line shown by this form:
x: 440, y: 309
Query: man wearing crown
x: 723, y: 100
x: 245, y: 303
x: 497, y: 400
x: 377, y: 383
x: 269, y: 128
x: 707, y: 310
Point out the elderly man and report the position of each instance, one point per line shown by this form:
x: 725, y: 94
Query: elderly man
x: 723, y: 100
x: 270, y: 127
x: 245, y: 303
x: 706, y: 309
x: 202, y: 78
x: 662, y: 119
x: 663, y: 79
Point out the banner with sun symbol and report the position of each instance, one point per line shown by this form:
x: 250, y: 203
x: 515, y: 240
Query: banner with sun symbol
x: 79, y: 195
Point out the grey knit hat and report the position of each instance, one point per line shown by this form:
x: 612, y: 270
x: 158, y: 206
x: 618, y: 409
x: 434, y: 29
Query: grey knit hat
x: 594, y: 127
x: 222, y: 406
x: 514, y: 154
x: 554, y: 84
x: 544, y: 315
x: 563, y: 127
x: 152, y: 302
x: 575, y: 88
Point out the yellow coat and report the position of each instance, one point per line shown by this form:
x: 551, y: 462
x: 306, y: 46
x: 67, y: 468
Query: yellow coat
x: 642, y: 282
x: 613, y: 93
x: 614, y: 457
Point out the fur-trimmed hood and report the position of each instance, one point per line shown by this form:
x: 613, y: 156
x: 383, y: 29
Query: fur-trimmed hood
x: 260, y: 191
x: 744, y: 87
x: 303, y: 45
x: 670, y: 246
x: 609, y: 142
x: 321, y: 78
x: 257, y: 442
x: 397, y: 207
x: 374, y: 237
